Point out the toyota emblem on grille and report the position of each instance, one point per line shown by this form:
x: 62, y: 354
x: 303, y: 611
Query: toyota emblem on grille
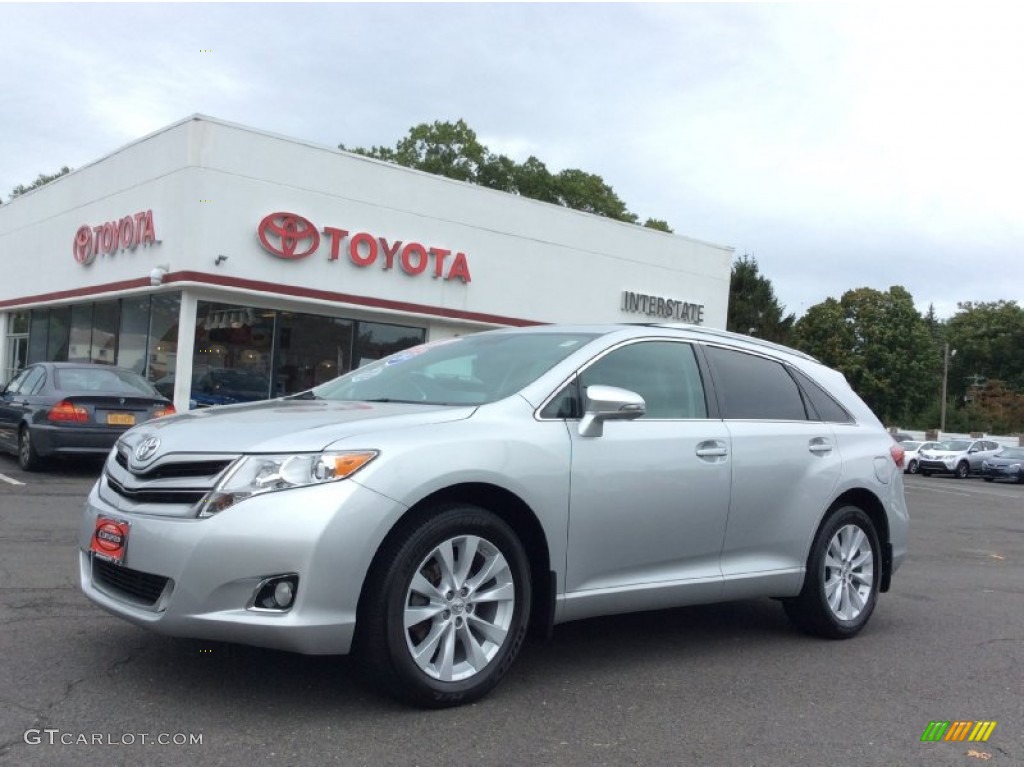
x: 146, y: 448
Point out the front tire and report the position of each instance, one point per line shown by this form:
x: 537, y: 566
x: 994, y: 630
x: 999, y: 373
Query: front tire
x: 446, y: 607
x: 963, y: 469
x: 28, y: 459
x: 844, y: 570
x: 912, y: 467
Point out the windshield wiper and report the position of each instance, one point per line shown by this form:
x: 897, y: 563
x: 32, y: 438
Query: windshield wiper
x: 307, y: 395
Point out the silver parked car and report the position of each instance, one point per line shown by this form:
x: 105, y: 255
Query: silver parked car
x: 960, y: 458
x: 428, y: 509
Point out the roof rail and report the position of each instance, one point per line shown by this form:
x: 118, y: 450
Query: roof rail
x: 735, y: 337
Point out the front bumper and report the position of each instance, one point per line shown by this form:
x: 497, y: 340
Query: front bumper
x: 202, y: 574
x: 936, y: 466
x: 1002, y: 473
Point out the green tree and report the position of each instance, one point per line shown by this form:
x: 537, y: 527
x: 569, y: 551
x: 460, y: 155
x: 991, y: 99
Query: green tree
x: 989, y: 340
x: 880, y: 342
x: 753, y: 306
x: 453, y: 150
x: 659, y: 224
x: 43, y: 178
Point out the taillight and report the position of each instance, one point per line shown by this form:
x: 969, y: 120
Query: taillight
x: 65, y: 410
x: 898, y: 454
x: 163, y: 410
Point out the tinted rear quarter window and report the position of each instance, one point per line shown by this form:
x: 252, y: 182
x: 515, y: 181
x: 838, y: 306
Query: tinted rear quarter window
x: 821, y: 401
x: 754, y: 387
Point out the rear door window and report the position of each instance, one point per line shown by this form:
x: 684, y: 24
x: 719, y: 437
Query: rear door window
x: 754, y: 387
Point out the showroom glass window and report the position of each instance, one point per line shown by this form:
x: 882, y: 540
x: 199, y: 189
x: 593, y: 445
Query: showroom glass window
x: 163, y: 336
x: 105, y: 318
x: 231, y: 361
x: 17, y: 345
x: 80, y: 343
x: 59, y: 334
x: 39, y: 325
x: 133, y: 333
x: 377, y: 340
x: 310, y: 350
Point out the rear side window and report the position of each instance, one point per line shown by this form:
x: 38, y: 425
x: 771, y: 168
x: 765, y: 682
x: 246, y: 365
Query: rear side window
x: 34, y: 381
x: 822, y: 402
x: 753, y: 387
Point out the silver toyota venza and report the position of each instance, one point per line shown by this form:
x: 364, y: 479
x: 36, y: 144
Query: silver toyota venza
x: 427, y: 509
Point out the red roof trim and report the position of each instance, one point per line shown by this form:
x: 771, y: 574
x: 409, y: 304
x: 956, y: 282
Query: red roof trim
x: 272, y: 288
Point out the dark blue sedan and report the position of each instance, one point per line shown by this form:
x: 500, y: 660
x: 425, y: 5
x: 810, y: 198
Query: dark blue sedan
x: 62, y: 409
x: 1008, y: 464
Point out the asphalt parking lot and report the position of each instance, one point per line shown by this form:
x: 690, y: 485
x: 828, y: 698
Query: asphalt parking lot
x: 721, y: 685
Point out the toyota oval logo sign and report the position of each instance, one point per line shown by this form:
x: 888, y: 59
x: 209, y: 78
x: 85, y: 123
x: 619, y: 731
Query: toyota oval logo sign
x: 288, y: 235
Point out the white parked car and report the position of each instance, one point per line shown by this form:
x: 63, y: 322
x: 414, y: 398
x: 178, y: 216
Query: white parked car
x: 913, y: 449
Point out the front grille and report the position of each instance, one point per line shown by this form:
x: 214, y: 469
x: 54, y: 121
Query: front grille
x: 145, y: 588
x: 162, y: 496
x: 177, y: 469
x: 172, y: 485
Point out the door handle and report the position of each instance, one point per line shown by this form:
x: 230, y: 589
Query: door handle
x: 712, y: 449
x: 820, y: 445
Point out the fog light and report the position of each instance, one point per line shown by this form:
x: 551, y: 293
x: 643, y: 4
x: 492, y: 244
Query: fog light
x: 283, y: 593
x: 276, y: 593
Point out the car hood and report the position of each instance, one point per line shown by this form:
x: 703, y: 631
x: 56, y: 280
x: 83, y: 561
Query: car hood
x: 941, y: 454
x: 284, y: 426
x: 1000, y: 460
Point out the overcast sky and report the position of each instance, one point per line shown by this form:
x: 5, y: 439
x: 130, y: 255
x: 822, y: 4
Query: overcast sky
x: 842, y: 145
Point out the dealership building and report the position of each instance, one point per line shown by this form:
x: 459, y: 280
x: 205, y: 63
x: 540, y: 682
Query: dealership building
x: 214, y: 258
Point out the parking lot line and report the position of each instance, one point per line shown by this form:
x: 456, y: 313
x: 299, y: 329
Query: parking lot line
x: 10, y: 480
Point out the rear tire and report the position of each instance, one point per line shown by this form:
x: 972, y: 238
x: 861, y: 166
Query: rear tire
x: 844, y: 570
x: 912, y: 467
x: 28, y: 459
x: 446, y: 607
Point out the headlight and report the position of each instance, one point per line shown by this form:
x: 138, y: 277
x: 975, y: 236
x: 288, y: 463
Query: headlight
x: 253, y: 475
x: 1014, y: 468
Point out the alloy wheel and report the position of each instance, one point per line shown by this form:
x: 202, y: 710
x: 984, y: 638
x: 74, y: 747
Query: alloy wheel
x: 849, y: 572
x: 459, y: 608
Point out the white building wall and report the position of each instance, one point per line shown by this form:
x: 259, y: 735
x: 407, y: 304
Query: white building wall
x: 209, y: 184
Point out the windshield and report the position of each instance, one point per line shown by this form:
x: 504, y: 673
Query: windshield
x: 1011, y: 453
x: 954, y: 445
x: 467, y: 370
x: 911, y: 445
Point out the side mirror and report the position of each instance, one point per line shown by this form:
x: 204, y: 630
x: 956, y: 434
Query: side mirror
x: 609, y: 404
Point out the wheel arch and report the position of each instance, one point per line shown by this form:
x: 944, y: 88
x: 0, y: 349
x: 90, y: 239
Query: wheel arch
x: 517, y: 514
x: 875, y: 510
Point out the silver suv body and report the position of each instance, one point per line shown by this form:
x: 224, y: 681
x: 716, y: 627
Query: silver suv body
x: 961, y: 458
x: 425, y: 510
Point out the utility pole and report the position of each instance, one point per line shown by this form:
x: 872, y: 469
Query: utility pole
x: 945, y: 380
